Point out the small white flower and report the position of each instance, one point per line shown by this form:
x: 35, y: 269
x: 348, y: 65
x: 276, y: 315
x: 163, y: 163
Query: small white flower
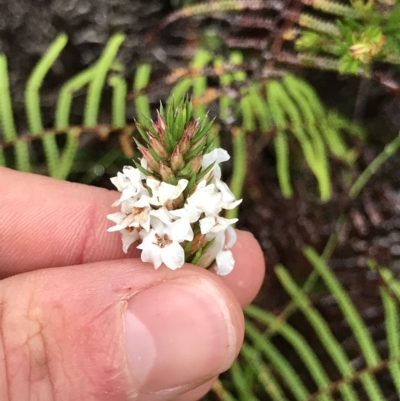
x: 220, y: 251
x: 206, y: 199
x: 188, y: 212
x: 129, y: 235
x: 215, y: 224
x: 163, y: 193
x: 134, y: 213
x: 162, y: 243
x: 210, y: 254
x: 129, y: 182
x: 228, y: 200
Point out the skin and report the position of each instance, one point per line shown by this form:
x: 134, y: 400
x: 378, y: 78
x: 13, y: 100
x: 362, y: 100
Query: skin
x: 81, y: 320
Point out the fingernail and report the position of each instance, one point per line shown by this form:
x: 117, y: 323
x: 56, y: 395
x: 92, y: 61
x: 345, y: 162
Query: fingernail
x: 180, y: 332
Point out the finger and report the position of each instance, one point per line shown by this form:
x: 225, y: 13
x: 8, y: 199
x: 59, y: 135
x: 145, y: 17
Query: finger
x: 114, y: 331
x: 48, y: 223
x: 198, y: 392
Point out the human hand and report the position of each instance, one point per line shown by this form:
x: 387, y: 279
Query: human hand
x: 80, y: 320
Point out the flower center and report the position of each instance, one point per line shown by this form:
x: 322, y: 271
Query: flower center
x: 162, y: 241
x: 138, y: 211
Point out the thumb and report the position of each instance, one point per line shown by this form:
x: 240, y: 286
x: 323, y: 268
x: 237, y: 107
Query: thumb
x: 115, y: 330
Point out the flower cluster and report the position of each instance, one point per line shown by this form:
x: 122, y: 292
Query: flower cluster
x: 176, y: 220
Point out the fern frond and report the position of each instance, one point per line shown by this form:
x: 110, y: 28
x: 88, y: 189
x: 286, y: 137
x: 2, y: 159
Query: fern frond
x: 264, y: 374
x: 333, y: 7
x: 281, y: 144
x: 142, y: 78
x: 390, y: 149
x: 7, y: 121
x: 239, y: 167
x: 120, y: 89
x: 99, y: 78
x: 354, y: 320
x: 314, y: 152
x: 392, y: 323
x: 241, y: 382
x: 32, y: 100
x: 310, y: 360
x: 279, y: 361
x: 322, y: 330
x: 221, y: 392
x: 63, y: 110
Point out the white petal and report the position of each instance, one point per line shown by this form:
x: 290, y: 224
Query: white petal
x: 180, y: 230
x: 152, y: 254
x: 210, y: 254
x: 189, y: 213
x: 143, y: 201
x: 153, y: 184
x: 133, y: 174
x: 157, y: 225
x: 117, y: 217
x: 206, y: 224
x: 173, y: 256
x: 225, y: 263
x: 162, y: 214
x: 128, y: 238
x: 217, y: 155
x: 164, y: 192
x: 230, y: 236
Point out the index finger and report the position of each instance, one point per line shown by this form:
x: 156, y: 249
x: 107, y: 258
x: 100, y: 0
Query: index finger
x: 49, y: 223
x: 46, y: 222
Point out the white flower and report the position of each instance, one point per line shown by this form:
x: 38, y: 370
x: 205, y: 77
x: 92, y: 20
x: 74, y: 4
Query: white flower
x: 129, y: 182
x: 220, y: 251
x: 162, y: 243
x: 210, y: 254
x: 216, y: 156
x: 228, y: 200
x: 134, y: 213
x: 215, y: 224
x: 163, y: 193
x: 147, y: 215
x: 206, y: 199
x: 129, y: 235
x: 188, y: 212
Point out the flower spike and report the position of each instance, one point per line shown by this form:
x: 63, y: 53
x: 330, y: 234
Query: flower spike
x: 171, y: 203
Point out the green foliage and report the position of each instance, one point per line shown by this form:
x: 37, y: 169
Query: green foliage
x: 266, y: 373
x: 364, y: 34
x: 59, y: 160
x: 287, y: 110
x: 330, y: 34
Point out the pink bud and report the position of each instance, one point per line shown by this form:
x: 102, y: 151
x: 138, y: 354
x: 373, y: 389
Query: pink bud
x: 166, y: 173
x: 160, y: 126
x: 156, y: 145
x: 151, y: 163
x: 177, y: 162
x: 196, y: 163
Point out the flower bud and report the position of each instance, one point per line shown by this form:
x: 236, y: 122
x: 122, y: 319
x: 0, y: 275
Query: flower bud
x: 156, y: 145
x: 177, y: 161
x: 167, y: 175
x: 188, y: 134
x: 160, y: 126
x: 191, y: 168
x: 151, y: 163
